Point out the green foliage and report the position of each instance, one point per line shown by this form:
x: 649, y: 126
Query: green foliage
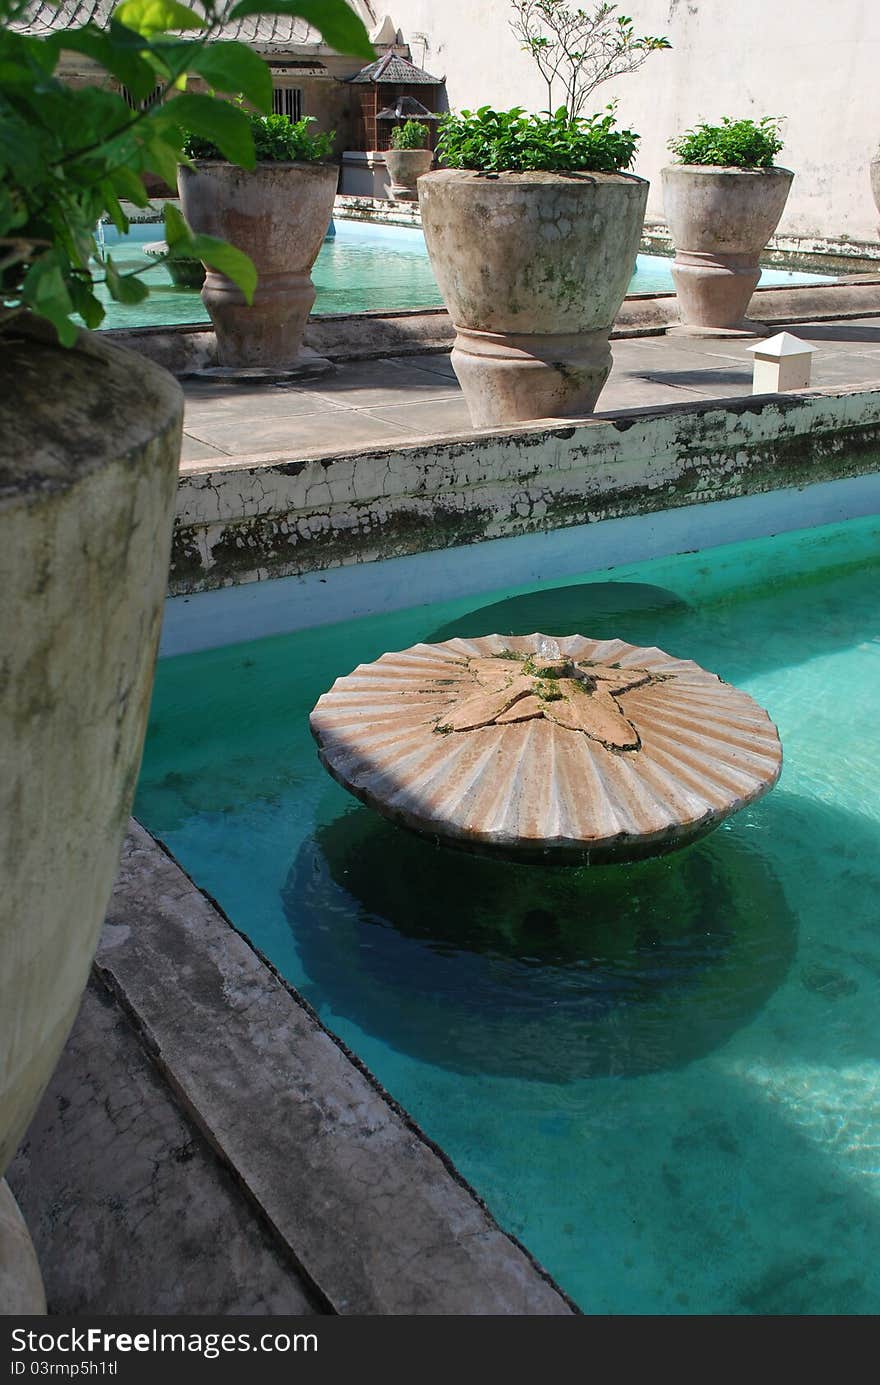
x: 578, y: 48
x: 412, y: 135
x: 68, y: 156
x: 732, y: 144
x: 276, y: 139
x: 501, y: 141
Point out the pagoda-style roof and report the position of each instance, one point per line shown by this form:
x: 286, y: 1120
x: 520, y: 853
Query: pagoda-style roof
x: 393, y: 70
x: 272, y: 32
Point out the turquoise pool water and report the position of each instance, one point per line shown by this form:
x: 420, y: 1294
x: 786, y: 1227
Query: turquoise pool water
x: 362, y: 268
x: 664, y: 1078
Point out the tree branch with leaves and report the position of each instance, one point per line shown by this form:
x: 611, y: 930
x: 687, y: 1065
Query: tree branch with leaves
x: 579, y: 49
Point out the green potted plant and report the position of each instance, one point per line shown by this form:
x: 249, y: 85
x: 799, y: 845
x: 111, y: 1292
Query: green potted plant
x: 407, y: 159
x: 88, y: 462
x: 722, y: 200
x: 278, y: 212
x: 533, y: 228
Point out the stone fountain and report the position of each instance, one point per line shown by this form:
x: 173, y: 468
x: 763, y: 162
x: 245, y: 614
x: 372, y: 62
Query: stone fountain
x: 553, y: 749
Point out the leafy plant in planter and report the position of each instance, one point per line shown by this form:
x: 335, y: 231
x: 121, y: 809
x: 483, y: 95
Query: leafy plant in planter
x: 732, y: 144
x: 533, y: 228
x: 278, y: 211
x: 90, y: 443
x: 723, y: 200
x: 408, y: 159
x: 411, y: 135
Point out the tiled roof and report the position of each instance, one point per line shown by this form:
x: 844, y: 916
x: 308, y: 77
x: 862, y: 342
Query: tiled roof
x: 278, y: 30
x: 396, y: 71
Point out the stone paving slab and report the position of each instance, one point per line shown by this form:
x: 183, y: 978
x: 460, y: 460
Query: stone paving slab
x: 130, y: 1209
x: 417, y: 396
x: 376, y: 1218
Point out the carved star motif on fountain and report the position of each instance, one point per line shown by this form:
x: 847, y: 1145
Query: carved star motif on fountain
x: 579, y: 696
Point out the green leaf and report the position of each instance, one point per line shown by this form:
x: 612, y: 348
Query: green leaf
x: 86, y: 304
x: 234, y: 263
x: 44, y: 291
x: 234, y: 68
x: 125, y: 288
x: 150, y: 17
x: 224, y: 124
x: 127, y: 184
x: 116, y: 50
x: 337, y: 24
x: 159, y: 154
x: 176, y: 228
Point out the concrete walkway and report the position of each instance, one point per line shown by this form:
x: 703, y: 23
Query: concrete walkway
x: 402, y: 398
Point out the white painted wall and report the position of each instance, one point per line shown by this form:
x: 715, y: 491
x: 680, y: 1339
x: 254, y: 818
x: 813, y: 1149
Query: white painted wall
x: 817, y: 62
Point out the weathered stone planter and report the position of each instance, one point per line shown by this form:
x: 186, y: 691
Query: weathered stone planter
x: 88, y: 470
x: 533, y: 268
x: 720, y: 220
x: 405, y: 166
x: 875, y: 184
x: 278, y: 214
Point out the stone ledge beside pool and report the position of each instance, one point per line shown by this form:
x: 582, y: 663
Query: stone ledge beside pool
x: 371, y: 1212
x: 253, y: 518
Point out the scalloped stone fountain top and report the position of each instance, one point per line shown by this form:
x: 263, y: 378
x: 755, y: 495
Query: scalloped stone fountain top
x: 534, y: 747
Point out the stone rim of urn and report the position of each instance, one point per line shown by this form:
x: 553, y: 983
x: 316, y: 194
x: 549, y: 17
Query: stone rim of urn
x: 405, y: 167
x: 720, y: 220
x: 547, y: 749
x: 278, y: 214
x: 533, y: 268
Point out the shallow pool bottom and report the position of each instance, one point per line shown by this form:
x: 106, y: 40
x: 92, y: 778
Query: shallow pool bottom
x: 663, y: 1078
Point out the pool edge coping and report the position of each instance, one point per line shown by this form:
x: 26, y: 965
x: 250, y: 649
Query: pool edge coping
x: 421, y: 1240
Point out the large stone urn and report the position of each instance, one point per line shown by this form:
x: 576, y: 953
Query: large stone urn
x: 89, y: 445
x: 720, y: 220
x: 405, y: 167
x: 875, y: 184
x: 533, y: 268
x: 278, y: 214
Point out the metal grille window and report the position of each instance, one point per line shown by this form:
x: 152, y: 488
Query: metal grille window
x: 132, y: 101
x: 288, y: 101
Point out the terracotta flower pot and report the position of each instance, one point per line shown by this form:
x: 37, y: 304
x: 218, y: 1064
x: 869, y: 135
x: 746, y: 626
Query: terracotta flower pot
x: 88, y: 472
x: 875, y: 183
x: 278, y: 214
x: 533, y: 268
x: 405, y: 166
x: 720, y: 220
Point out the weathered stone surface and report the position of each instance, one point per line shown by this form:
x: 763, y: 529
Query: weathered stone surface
x: 278, y: 214
x: 720, y: 219
x: 130, y: 1209
x: 875, y: 183
x: 243, y: 520
x: 89, y: 442
x: 405, y: 167
x: 21, y: 1285
x: 380, y: 1223
x: 528, y: 745
x: 533, y: 268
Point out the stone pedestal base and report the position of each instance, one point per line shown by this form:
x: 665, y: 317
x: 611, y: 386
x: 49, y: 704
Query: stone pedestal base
x: 402, y: 194
x: 307, y: 365
x: 508, y: 378
x: 746, y: 329
x: 21, y: 1284
x: 714, y: 290
x: 267, y: 332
